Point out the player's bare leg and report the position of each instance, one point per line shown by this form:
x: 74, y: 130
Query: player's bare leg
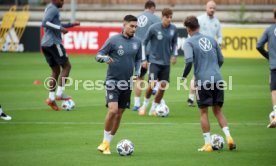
x: 205, y: 126
x: 223, y: 124
x: 138, y: 91
x: 142, y: 110
x: 52, y: 86
x: 112, y: 121
x: 272, y: 124
x: 66, y: 68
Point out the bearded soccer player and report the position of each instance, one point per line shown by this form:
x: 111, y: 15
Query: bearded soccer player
x: 54, y: 51
x: 269, y: 36
x: 122, y: 52
x: 204, y: 52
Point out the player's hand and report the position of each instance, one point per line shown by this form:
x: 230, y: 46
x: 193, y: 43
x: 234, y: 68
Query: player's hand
x: 145, y: 64
x: 173, y: 60
x: 76, y: 23
x: 64, y: 30
x: 110, y: 60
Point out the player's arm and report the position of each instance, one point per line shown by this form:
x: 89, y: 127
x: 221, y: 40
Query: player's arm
x: 260, y: 44
x: 138, y: 59
x: 219, y: 55
x: 102, y: 56
x: 174, y: 48
x: 188, y: 53
x: 219, y: 35
x: 145, y: 42
x: 69, y: 25
x: 49, y: 15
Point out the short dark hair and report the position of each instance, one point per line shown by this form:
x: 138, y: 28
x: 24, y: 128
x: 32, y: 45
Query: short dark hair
x: 149, y: 4
x: 191, y: 22
x: 129, y: 18
x: 274, y: 10
x: 167, y: 12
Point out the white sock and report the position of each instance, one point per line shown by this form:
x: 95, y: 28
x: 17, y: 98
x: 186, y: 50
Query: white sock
x: 52, y: 96
x: 146, y: 102
x: 153, y: 106
x: 163, y: 102
x: 60, y: 90
x: 107, y: 135
x: 207, y: 138
x: 226, y: 131
x: 274, y: 110
x: 191, y: 96
x: 137, y: 101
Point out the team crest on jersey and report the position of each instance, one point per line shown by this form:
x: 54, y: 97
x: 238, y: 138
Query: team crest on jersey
x: 142, y: 21
x: 275, y: 31
x: 110, y: 96
x: 135, y: 46
x: 205, y: 44
x: 159, y: 35
x: 120, y: 50
x: 171, y: 32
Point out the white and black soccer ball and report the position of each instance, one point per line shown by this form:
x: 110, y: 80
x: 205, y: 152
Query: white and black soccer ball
x: 68, y: 105
x: 271, y: 116
x: 217, y: 142
x: 162, y: 110
x: 125, y: 147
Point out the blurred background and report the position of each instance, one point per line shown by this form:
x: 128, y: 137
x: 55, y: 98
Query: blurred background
x: 242, y: 21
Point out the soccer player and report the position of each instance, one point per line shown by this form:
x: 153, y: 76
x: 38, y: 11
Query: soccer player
x: 210, y: 26
x: 3, y: 115
x: 121, y: 52
x: 269, y: 36
x: 163, y: 39
x: 54, y: 51
x: 145, y: 20
x: 204, y: 52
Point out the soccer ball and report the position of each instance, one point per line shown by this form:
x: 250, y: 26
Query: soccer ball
x: 68, y: 105
x: 271, y: 116
x: 217, y: 142
x: 162, y: 110
x: 125, y: 147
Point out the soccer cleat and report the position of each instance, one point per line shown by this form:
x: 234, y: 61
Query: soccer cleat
x: 142, y: 111
x: 52, y: 104
x: 5, y: 117
x: 272, y: 124
x: 104, y: 147
x: 152, y: 112
x: 63, y: 97
x: 190, y: 103
x: 136, y: 108
x: 230, y: 142
x: 206, y: 148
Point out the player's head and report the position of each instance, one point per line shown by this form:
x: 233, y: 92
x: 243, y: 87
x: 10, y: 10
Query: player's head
x: 58, y: 3
x: 211, y: 8
x: 150, y: 6
x: 191, y: 24
x: 130, y: 25
x: 166, y: 16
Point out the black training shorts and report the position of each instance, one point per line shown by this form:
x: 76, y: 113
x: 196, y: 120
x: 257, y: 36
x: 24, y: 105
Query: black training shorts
x: 55, y: 54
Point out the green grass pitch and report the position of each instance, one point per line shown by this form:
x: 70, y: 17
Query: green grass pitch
x: 40, y: 136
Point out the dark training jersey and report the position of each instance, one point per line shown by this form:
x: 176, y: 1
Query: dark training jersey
x: 163, y: 43
x: 204, y: 52
x: 52, y: 26
x: 126, y: 54
x: 269, y: 36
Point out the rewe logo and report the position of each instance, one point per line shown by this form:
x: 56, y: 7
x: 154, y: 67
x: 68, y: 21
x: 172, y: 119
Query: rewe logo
x: 205, y: 44
x: 81, y: 40
x: 142, y: 21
